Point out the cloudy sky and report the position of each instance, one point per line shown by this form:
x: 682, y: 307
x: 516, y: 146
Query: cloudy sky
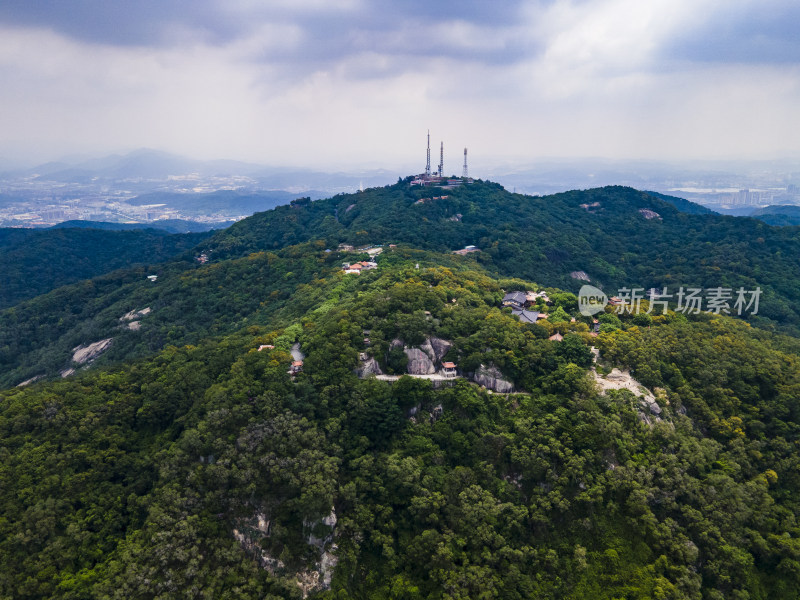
x: 342, y: 83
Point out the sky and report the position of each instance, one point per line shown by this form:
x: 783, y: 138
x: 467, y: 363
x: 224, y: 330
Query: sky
x: 328, y: 84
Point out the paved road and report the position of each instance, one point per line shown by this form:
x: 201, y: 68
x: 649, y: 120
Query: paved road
x: 433, y: 377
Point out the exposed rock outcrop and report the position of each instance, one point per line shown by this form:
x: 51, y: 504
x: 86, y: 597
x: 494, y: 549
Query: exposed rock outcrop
x: 419, y: 363
x: 440, y: 347
x: 580, y: 275
x: 492, y: 379
x: 649, y: 214
x: 30, y: 381
x: 427, y: 348
x: 622, y: 380
x: 369, y: 367
x: 591, y: 207
x: 135, y: 314
x: 86, y: 354
x: 424, y: 359
x: 252, y: 547
x: 318, y: 579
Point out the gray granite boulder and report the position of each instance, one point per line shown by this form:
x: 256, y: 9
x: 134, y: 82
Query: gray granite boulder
x: 492, y: 379
x: 419, y: 363
x: 369, y: 367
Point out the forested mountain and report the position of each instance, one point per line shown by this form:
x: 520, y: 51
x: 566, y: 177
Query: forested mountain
x: 609, y: 233
x: 683, y: 205
x: 186, y: 304
x: 191, y: 456
x: 209, y: 471
x: 778, y: 215
x: 35, y: 261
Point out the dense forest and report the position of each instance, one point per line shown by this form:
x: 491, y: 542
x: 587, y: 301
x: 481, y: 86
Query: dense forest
x: 601, y: 232
x: 186, y: 303
x: 36, y: 261
x: 156, y: 479
x: 193, y: 459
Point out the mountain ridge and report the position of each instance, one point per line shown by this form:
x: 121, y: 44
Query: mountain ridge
x: 547, y: 237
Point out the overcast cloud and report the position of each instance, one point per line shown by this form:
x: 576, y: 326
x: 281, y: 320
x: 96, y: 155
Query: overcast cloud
x: 339, y: 84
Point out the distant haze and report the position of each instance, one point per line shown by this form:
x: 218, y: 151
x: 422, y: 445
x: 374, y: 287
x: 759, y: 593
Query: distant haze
x: 357, y: 84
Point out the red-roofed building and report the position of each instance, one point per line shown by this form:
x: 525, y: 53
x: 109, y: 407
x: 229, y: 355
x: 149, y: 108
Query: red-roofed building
x: 355, y: 269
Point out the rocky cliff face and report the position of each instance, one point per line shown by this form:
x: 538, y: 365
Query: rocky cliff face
x: 419, y: 363
x: 424, y: 359
x: 492, y: 379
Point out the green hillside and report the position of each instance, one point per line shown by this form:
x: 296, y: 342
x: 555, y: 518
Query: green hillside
x: 683, y: 205
x: 190, y: 456
x: 207, y: 470
x: 186, y: 304
x: 36, y: 261
x: 781, y: 215
x: 601, y: 232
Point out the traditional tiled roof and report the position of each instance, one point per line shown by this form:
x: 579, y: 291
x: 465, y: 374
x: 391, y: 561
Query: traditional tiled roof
x: 526, y: 316
x: 516, y: 297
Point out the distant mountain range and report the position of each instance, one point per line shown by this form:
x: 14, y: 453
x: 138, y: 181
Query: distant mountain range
x: 153, y: 165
